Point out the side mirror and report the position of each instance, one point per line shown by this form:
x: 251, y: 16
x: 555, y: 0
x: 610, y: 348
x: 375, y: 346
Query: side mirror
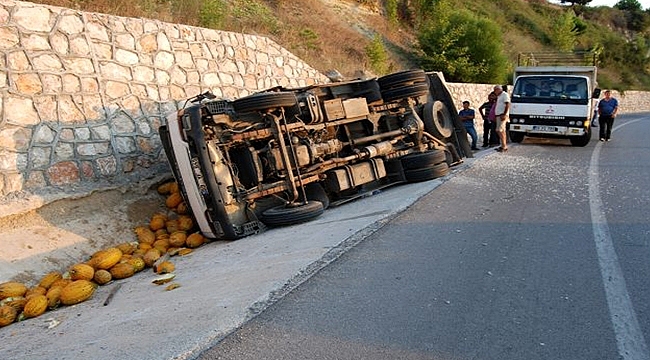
x: 596, y: 93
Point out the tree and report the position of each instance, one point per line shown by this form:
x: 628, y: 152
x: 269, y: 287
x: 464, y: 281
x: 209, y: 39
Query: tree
x: 565, y: 31
x: 628, y: 5
x: 464, y: 47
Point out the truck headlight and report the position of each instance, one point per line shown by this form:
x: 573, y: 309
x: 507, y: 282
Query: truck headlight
x: 578, y: 123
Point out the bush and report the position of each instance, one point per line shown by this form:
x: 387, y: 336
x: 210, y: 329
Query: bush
x: 464, y: 47
x: 377, y: 55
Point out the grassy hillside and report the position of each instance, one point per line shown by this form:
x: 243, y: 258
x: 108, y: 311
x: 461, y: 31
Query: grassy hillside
x: 339, y: 34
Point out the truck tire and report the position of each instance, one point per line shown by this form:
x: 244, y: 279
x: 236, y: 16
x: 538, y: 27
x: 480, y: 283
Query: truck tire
x: 426, y: 174
x: 402, y: 78
x: 264, y: 101
x: 286, y: 215
x: 405, y: 91
x: 516, y: 136
x: 423, y: 160
x: 583, y: 140
x: 437, y: 120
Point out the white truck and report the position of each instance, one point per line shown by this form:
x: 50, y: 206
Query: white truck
x: 554, y: 101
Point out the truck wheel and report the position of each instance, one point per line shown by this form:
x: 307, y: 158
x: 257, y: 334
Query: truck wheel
x: 437, y: 119
x: 425, y: 174
x: 516, y: 136
x: 316, y: 192
x: 264, y: 101
x: 423, y: 160
x: 406, y: 91
x: 582, y: 140
x: 402, y: 78
x: 286, y: 215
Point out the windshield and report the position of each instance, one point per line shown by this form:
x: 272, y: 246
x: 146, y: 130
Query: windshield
x: 554, y: 90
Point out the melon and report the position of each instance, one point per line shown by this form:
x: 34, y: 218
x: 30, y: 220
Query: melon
x: 76, y: 292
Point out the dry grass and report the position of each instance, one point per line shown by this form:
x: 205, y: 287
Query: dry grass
x: 327, y: 34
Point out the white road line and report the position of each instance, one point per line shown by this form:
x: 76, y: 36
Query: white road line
x: 629, y: 338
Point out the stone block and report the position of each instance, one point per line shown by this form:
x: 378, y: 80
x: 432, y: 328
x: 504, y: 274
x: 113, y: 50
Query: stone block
x: 15, y: 137
x: 71, y: 24
x: 22, y: 111
x: 43, y: 135
x: 40, y: 157
x: 63, y: 173
x: 35, y: 18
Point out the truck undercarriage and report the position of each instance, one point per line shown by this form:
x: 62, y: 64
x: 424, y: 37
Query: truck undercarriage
x: 282, y: 156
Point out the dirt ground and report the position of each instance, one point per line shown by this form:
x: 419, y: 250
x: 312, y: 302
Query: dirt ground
x: 60, y: 233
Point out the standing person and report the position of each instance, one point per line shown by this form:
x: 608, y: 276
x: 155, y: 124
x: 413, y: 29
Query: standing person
x: 501, y: 108
x: 607, y: 109
x: 467, y: 116
x: 488, y: 120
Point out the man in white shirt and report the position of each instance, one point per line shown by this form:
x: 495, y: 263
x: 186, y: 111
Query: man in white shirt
x: 502, y: 106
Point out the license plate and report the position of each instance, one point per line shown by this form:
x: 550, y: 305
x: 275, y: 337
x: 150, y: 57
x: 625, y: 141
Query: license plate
x: 544, y: 128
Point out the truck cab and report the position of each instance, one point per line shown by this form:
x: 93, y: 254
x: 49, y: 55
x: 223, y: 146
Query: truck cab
x: 555, y: 101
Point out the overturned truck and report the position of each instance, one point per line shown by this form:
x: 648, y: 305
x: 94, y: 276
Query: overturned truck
x: 282, y: 156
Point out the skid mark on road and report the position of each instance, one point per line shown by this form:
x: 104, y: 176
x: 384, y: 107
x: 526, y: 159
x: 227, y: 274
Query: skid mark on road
x: 629, y: 338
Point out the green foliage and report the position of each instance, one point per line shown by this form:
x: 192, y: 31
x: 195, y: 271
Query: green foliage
x: 211, y: 14
x: 309, y: 39
x: 629, y: 5
x: 391, y: 10
x: 377, y: 55
x: 251, y: 13
x: 464, y: 47
x: 563, y: 32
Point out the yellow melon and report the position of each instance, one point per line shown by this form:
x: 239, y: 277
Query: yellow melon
x: 145, y: 235
x: 151, y: 256
x: 157, y: 222
x: 195, y: 240
x: 181, y: 209
x: 122, y: 271
x: 76, y: 292
x: 102, y: 277
x: 7, y: 315
x: 11, y: 289
x: 177, y: 239
x: 53, y: 297
x: 185, y: 223
x: 61, y: 282
x: 162, y: 245
x: 49, y: 279
x: 127, y: 248
x: 36, y: 290
x: 107, y: 258
x: 81, y: 272
x: 171, y: 225
x: 165, y: 189
x: 35, y: 306
x: 16, y: 302
x: 173, y: 200
x: 137, y: 263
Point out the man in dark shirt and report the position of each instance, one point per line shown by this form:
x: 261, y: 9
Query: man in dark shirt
x: 467, y: 116
x: 607, y: 109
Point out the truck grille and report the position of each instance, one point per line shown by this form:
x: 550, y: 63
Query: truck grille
x: 217, y: 107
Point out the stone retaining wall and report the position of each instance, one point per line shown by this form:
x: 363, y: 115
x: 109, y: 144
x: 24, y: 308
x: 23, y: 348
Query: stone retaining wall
x: 83, y: 94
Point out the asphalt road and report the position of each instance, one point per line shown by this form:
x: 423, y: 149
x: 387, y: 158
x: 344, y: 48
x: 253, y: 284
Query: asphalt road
x: 538, y: 253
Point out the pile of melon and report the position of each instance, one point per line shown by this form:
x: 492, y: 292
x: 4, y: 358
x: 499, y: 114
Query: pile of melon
x: 165, y: 236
